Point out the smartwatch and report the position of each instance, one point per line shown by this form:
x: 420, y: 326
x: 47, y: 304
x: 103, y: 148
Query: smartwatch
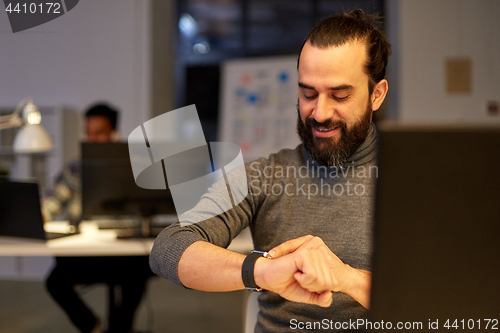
x: 247, y: 270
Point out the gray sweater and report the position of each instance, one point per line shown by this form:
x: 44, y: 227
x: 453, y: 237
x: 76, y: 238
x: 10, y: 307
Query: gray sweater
x: 290, y: 196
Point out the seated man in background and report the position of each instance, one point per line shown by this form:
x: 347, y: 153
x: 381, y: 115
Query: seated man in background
x: 130, y: 273
x: 101, y: 121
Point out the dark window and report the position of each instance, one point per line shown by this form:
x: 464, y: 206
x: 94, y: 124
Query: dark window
x: 211, y: 31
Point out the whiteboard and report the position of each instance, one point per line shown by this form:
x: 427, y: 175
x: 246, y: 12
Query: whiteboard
x: 258, y: 105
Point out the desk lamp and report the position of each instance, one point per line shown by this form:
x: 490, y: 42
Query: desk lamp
x: 32, y: 137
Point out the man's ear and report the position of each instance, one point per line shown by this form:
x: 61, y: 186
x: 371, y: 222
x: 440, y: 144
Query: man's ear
x: 378, y: 94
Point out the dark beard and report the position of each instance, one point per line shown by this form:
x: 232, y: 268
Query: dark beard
x: 328, y: 152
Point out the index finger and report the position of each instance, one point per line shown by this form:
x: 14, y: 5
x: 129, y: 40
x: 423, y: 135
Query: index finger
x: 288, y: 246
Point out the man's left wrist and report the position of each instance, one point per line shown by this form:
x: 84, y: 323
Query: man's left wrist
x: 259, y: 273
x: 248, y: 271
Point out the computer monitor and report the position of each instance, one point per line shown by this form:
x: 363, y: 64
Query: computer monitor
x: 109, y: 188
x: 437, y: 228
x: 20, y: 211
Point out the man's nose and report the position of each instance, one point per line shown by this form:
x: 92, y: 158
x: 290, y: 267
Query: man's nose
x: 324, y: 109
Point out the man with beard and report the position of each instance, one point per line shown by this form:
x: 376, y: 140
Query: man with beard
x: 316, y: 227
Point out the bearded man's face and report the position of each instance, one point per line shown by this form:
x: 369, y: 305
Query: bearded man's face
x: 335, y: 103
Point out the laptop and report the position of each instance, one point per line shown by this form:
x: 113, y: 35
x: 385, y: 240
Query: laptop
x: 437, y: 228
x: 20, y: 211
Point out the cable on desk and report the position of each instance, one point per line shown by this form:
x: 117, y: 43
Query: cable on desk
x: 147, y: 300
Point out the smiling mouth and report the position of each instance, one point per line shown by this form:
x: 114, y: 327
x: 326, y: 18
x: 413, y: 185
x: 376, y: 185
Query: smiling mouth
x: 322, y: 129
x: 325, y: 132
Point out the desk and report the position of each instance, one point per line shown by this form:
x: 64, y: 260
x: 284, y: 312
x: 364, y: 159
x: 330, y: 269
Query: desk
x: 93, y: 242
x: 90, y: 242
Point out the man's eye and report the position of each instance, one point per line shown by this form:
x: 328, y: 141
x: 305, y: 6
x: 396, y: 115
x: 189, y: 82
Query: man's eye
x: 309, y: 97
x: 340, y: 99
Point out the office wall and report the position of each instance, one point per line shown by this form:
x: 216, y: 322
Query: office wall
x: 100, y: 50
x: 427, y: 32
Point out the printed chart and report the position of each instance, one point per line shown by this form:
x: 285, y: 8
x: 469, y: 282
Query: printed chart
x: 258, y: 105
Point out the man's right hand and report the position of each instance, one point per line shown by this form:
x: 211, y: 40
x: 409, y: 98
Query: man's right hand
x: 305, y: 270
x: 279, y: 276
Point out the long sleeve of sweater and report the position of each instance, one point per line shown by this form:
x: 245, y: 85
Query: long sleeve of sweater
x: 217, y: 229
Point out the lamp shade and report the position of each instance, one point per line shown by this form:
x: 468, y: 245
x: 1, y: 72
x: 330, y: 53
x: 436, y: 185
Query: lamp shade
x: 32, y: 139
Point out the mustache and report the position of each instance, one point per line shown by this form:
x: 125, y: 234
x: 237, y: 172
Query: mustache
x: 312, y: 123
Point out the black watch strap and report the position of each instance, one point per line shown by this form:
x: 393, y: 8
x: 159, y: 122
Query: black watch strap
x: 247, y: 270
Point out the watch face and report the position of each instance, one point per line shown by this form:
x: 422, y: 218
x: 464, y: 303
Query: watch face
x: 263, y: 253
